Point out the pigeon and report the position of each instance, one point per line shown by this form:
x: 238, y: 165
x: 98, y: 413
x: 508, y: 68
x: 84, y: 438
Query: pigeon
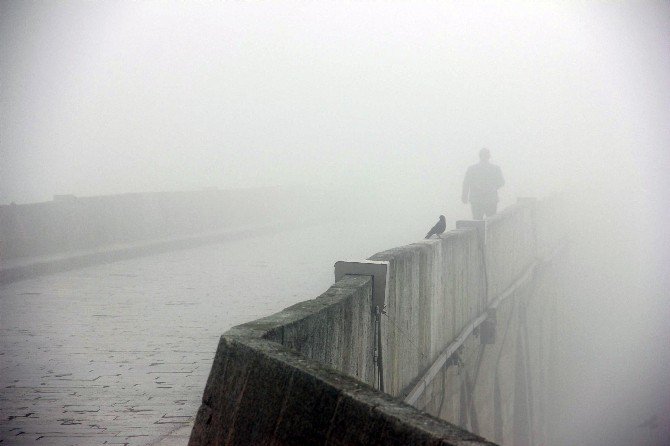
x: 439, y: 227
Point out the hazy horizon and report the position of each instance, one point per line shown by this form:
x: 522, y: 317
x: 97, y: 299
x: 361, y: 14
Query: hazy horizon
x: 106, y: 98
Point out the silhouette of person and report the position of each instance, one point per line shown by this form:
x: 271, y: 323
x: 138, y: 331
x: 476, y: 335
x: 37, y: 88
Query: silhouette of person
x: 480, y: 186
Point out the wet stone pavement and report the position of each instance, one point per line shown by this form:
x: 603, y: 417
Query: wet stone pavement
x: 119, y: 353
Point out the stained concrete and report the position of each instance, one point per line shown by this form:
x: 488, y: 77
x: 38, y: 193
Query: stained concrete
x: 435, y: 289
x: 262, y: 392
x: 501, y: 390
x: 316, y: 356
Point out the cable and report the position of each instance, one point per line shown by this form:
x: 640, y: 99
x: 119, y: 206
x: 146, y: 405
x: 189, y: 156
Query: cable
x: 402, y: 332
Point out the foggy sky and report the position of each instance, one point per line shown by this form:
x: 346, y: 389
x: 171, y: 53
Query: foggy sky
x: 387, y: 98
x: 112, y: 97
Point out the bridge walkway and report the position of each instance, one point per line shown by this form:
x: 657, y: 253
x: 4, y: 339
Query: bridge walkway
x: 119, y: 353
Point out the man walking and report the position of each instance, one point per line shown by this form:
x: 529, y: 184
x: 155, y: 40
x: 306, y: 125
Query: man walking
x: 480, y: 186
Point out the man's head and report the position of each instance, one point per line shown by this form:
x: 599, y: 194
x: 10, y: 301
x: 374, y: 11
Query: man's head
x: 484, y: 154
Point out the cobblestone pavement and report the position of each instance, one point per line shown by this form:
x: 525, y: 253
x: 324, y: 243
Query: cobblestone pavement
x: 119, y: 353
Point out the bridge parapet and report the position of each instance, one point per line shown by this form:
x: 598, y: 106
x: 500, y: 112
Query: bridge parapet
x: 510, y: 246
x: 70, y: 223
x: 280, y: 380
x: 440, y: 292
x: 435, y: 289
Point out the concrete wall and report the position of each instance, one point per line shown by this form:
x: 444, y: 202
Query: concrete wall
x: 510, y: 246
x: 437, y: 287
x: 501, y: 390
x: 72, y: 223
x: 291, y: 378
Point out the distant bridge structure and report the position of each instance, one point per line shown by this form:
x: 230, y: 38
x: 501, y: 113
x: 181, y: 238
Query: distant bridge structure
x: 70, y: 232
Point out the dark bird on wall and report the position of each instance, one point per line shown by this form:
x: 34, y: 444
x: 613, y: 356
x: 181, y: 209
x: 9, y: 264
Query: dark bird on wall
x: 439, y: 227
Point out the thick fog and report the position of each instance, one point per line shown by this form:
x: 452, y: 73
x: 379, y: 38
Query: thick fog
x: 386, y: 100
x: 112, y: 97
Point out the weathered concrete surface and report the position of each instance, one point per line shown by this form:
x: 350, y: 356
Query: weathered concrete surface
x: 436, y: 288
x: 501, y: 390
x: 308, y: 328
x: 260, y: 391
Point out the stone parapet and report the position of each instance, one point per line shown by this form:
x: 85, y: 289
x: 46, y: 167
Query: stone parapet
x: 266, y: 388
x: 309, y: 374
